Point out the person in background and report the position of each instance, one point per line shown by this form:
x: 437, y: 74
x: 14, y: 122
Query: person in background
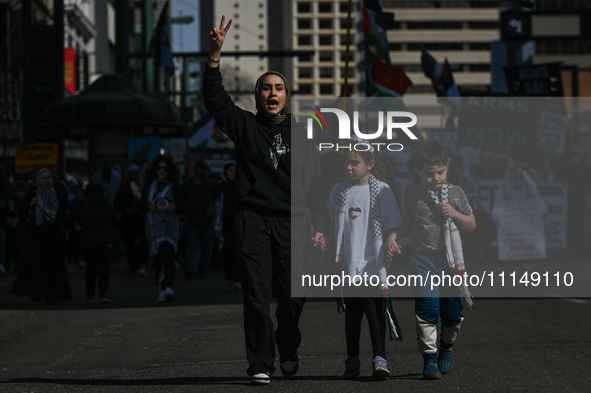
x: 96, y: 220
x: 76, y: 248
x: 225, y: 226
x: 43, y: 275
x: 162, y: 200
x: 199, y: 221
x: 128, y: 204
x: 13, y: 237
x: 109, y: 178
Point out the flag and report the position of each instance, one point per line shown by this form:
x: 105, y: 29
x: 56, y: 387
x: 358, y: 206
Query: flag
x: 208, y: 136
x: 160, y: 42
x: 524, y: 3
x: 441, y: 77
x: 385, y: 80
x: 375, y: 24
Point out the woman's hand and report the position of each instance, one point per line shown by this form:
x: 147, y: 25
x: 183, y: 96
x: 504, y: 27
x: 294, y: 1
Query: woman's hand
x: 170, y: 207
x: 217, y: 38
x: 153, y: 208
x: 34, y: 201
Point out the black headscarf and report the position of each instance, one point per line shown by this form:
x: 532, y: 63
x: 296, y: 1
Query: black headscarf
x: 257, y: 90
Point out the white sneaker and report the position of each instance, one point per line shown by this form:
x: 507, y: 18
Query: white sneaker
x: 161, y: 296
x: 168, y: 294
x: 260, y: 379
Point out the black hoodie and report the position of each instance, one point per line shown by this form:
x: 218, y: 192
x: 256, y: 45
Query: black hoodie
x: 97, y: 219
x: 260, y: 187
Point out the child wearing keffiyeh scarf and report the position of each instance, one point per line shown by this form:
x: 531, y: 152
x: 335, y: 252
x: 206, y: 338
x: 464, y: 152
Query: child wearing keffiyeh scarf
x: 433, y: 213
x: 363, y: 209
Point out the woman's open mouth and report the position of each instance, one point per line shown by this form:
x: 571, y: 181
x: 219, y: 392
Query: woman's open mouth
x: 272, y: 105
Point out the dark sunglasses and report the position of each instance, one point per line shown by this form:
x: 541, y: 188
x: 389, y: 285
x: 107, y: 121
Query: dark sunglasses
x: 162, y: 168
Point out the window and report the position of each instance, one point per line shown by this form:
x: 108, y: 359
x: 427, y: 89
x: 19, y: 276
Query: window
x: 305, y: 40
x: 343, y: 23
x: 325, y: 24
x: 351, y: 56
x: 325, y: 40
x: 479, y: 46
x: 324, y: 7
x: 237, y: 37
x: 305, y: 89
x: 304, y: 58
x: 351, y: 72
x: 344, y: 39
x: 236, y: 5
x: 304, y: 7
x: 326, y: 72
x: 344, y: 6
x: 305, y: 72
x: 325, y: 56
x: 304, y: 23
x: 326, y: 89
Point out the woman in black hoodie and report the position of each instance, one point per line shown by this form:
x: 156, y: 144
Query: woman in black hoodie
x: 275, y: 163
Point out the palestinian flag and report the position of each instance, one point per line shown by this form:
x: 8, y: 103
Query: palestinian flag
x: 208, y: 136
x: 385, y: 80
x: 375, y: 24
x: 441, y: 78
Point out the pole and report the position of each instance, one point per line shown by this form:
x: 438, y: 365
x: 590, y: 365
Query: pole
x: 345, y: 87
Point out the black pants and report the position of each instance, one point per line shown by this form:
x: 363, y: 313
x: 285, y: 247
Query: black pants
x: 136, y: 246
x: 97, y: 265
x: 355, y: 307
x: 265, y: 251
x: 231, y: 268
x: 164, y: 260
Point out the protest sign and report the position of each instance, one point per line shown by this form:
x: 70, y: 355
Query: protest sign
x: 30, y: 158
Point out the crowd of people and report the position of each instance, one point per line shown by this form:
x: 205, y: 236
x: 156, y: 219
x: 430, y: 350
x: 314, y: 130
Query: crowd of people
x: 50, y: 222
x: 279, y: 196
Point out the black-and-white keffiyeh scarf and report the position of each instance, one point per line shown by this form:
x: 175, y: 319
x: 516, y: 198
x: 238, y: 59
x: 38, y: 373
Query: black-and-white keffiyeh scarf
x: 161, y: 225
x: 48, y: 204
x: 277, y: 149
x: 453, y: 242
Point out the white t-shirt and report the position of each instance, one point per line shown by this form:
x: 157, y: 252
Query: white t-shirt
x: 358, y: 238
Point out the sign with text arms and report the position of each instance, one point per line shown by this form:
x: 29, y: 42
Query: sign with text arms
x: 33, y: 157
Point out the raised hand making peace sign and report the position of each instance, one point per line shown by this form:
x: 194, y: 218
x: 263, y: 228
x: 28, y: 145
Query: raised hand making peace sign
x: 217, y: 40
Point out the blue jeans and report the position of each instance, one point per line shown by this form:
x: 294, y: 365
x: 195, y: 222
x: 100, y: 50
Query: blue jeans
x: 198, y: 247
x: 432, y: 304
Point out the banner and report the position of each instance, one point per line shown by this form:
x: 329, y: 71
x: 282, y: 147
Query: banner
x: 30, y: 158
x: 521, y: 233
x: 70, y: 70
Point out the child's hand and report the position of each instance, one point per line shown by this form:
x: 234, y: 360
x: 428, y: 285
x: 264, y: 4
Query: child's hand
x: 447, y: 210
x: 392, y: 247
x: 319, y: 242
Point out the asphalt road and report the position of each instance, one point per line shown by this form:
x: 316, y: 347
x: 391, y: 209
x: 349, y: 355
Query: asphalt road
x: 196, y: 344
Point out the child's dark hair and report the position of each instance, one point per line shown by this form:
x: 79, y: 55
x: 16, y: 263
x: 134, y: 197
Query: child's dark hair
x: 379, y: 168
x: 428, y: 154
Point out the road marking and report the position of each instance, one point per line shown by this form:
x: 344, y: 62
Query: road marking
x: 569, y: 299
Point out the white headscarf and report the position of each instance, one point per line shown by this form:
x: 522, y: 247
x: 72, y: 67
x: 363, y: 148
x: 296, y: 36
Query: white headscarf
x: 48, y: 204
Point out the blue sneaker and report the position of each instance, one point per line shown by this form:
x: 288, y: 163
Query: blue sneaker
x: 380, y: 368
x: 352, y: 368
x: 446, y: 360
x: 430, y: 371
x: 289, y: 368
